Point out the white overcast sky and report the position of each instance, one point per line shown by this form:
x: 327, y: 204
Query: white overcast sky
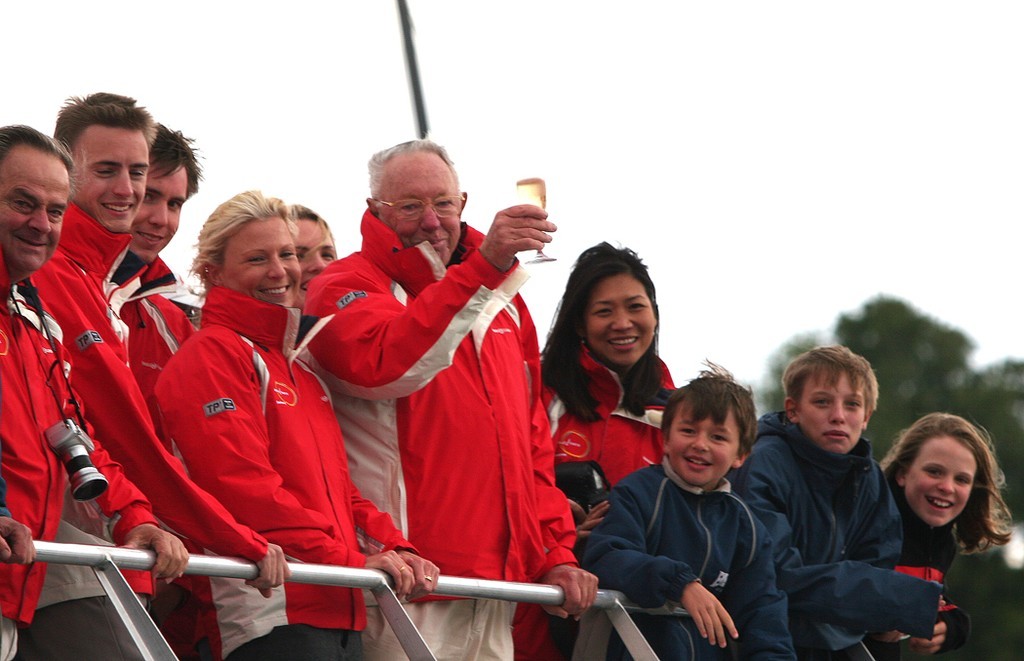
x: 775, y: 163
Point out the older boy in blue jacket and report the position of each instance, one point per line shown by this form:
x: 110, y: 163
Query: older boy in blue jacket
x: 836, y: 531
x: 675, y: 534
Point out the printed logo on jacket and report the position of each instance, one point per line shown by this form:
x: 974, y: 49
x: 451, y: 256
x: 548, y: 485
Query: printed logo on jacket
x: 219, y: 406
x: 5, y: 345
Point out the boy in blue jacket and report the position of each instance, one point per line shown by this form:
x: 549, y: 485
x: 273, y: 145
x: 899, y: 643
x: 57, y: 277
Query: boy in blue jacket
x: 836, y: 531
x: 675, y: 534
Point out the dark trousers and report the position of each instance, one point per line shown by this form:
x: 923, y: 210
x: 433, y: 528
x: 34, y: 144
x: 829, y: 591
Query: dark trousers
x: 87, y: 628
x: 301, y: 641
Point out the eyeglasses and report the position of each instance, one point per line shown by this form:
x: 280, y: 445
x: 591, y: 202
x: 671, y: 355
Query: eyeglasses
x: 413, y: 209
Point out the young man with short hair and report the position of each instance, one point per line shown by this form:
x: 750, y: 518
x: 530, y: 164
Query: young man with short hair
x: 836, y: 531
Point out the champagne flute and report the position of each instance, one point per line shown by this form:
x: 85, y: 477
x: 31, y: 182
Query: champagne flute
x: 534, y: 191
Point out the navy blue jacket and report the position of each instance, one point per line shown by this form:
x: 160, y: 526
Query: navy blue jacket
x: 837, y: 536
x: 657, y: 538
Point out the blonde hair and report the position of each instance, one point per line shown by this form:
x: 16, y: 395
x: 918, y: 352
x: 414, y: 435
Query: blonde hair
x: 986, y: 519
x: 300, y: 212
x: 227, y: 220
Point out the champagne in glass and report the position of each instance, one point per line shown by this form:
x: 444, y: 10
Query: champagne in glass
x: 534, y: 191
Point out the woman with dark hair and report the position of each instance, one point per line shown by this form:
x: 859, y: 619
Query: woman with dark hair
x: 604, y: 383
x: 605, y: 389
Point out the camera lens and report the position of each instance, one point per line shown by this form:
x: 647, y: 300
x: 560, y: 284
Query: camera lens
x: 72, y: 445
x: 86, y: 481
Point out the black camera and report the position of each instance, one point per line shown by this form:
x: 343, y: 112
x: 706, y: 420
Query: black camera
x: 73, y: 446
x: 583, y: 482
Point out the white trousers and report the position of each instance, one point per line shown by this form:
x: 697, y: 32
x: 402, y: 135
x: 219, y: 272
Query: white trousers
x: 457, y: 630
x: 8, y: 639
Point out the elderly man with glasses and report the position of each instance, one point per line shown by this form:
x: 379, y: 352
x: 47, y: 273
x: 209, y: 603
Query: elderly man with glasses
x: 433, y: 361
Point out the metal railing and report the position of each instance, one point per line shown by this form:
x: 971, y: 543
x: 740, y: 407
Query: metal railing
x: 610, y: 607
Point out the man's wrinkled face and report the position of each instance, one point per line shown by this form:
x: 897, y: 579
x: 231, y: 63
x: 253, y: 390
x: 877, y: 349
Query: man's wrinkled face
x: 34, y: 192
x: 420, y: 176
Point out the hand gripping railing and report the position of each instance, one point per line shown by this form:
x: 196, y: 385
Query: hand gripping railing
x: 610, y: 607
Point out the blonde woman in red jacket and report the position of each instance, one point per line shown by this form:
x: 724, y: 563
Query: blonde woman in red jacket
x: 255, y: 427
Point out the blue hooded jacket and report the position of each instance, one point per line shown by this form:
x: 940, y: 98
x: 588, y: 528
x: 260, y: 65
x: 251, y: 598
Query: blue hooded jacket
x: 837, y: 536
x: 658, y: 537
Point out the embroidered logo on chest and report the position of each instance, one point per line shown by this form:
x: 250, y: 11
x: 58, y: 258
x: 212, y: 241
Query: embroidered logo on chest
x: 720, y: 582
x: 574, y: 444
x: 285, y: 394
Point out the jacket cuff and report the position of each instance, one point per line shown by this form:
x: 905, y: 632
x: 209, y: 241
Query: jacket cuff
x: 558, y: 556
x: 490, y: 276
x: 130, y: 518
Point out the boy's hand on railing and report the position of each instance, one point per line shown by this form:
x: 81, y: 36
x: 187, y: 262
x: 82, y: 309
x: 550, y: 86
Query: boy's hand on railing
x: 273, y: 571
x: 712, y: 620
x: 413, y: 576
x: 579, y: 587
x: 171, y: 554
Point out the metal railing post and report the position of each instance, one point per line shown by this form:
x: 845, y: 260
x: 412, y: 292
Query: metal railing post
x: 400, y: 622
x: 140, y: 625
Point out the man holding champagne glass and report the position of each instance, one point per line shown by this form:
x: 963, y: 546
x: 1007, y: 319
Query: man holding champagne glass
x: 433, y: 362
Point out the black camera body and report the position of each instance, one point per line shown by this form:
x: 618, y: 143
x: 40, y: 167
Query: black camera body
x: 70, y: 442
x: 583, y: 482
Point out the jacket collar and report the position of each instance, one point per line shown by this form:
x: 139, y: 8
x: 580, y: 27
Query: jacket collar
x: 604, y: 384
x: 413, y: 268
x: 723, y: 487
x: 155, y: 278
x: 91, y: 245
x: 266, y: 324
x: 605, y: 387
x: 830, y: 467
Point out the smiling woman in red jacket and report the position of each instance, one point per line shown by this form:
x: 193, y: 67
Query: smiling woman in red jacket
x: 603, y: 381
x: 605, y: 389
x: 256, y: 428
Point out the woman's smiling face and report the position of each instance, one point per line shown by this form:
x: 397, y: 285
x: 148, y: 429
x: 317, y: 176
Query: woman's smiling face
x: 618, y: 321
x: 260, y: 261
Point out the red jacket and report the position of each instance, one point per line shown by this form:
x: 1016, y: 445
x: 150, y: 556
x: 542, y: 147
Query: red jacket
x: 156, y: 326
x: 619, y: 441
x: 434, y: 373
x: 35, y: 475
x: 73, y: 284
x: 255, y: 427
